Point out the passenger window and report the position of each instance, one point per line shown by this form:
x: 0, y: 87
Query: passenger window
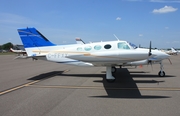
x: 97, y: 47
x: 87, y: 48
x: 79, y: 49
x: 123, y: 45
x: 107, y: 46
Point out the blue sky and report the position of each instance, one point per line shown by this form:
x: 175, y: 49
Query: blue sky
x: 61, y: 21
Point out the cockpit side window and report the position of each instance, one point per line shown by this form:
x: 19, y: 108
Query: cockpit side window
x: 123, y: 45
x: 133, y: 45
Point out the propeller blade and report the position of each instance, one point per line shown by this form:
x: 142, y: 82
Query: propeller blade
x: 170, y: 61
x: 150, y: 49
x: 150, y: 62
x: 151, y: 66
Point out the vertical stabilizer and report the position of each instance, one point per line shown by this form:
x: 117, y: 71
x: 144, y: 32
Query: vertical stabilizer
x: 32, y: 39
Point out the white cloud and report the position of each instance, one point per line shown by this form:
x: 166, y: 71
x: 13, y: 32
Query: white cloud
x: 166, y: 1
x: 166, y: 27
x: 165, y: 9
x: 64, y: 42
x: 7, y: 18
x: 118, y: 18
x: 140, y: 35
x: 176, y: 42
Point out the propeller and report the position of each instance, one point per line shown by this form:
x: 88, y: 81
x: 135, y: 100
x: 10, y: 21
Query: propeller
x: 150, y: 49
x: 150, y: 62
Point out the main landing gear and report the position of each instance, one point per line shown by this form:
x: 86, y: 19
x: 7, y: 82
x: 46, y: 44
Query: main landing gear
x: 109, y: 77
x: 161, y: 72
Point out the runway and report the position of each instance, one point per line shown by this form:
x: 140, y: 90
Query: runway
x: 35, y: 88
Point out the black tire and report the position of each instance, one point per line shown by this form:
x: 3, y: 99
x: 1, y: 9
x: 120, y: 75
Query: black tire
x: 161, y: 74
x: 110, y: 80
x: 113, y: 69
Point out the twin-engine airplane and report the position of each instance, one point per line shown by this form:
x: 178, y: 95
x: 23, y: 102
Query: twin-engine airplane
x: 108, y: 54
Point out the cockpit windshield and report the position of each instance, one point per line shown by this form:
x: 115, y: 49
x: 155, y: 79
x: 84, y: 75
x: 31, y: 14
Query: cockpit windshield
x: 123, y: 45
x: 132, y: 45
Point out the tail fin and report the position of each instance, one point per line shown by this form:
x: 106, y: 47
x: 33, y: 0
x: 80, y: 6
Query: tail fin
x: 31, y: 37
x: 173, y: 50
x: 34, y: 42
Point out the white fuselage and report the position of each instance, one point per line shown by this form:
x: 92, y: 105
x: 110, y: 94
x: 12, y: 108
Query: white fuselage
x: 94, y: 54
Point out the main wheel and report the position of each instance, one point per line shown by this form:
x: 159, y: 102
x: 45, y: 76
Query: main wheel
x: 161, y: 73
x: 113, y: 69
x: 110, y: 80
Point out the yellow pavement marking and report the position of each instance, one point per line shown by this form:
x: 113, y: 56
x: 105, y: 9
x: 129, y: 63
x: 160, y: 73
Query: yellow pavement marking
x: 108, y: 88
x: 18, y: 87
x: 27, y: 84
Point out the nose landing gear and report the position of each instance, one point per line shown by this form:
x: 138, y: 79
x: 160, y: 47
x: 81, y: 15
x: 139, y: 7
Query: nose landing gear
x: 161, y: 72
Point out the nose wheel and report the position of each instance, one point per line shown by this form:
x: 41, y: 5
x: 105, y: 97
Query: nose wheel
x: 161, y: 72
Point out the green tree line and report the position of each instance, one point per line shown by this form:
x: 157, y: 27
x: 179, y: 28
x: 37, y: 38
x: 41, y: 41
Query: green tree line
x: 6, y: 46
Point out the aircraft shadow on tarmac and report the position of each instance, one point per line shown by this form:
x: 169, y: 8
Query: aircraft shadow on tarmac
x: 125, y: 86
x: 46, y: 75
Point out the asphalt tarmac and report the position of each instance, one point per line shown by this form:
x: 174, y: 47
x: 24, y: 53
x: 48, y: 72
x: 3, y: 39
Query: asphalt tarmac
x: 40, y: 88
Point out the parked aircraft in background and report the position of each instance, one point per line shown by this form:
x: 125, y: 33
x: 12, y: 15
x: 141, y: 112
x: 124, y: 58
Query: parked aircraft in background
x: 171, y: 52
x: 175, y: 52
x: 23, y: 52
x: 108, y: 54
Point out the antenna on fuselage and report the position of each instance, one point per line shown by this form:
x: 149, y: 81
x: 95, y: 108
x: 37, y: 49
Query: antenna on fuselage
x: 116, y: 37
